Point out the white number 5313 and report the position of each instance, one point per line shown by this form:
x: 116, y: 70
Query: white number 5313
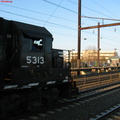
x: 34, y: 60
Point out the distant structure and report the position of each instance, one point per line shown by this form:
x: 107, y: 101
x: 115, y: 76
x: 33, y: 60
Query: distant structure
x: 114, y: 61
x: 90, y: 57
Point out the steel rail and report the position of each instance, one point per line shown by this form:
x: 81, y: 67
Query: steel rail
x: 107, y: 113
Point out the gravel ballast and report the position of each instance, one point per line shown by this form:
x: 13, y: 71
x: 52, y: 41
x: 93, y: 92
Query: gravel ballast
x: 84, y: 110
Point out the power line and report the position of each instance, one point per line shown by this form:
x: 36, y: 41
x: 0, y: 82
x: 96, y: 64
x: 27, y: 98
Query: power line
x: 77, y: 4
x: 38, y: 20
x: 60, y: 6
x: 52, y: 13
x: 57, y: 16
x: 96, y: 11
x: 103, y: 37
x: 104, y: 8
x: 117, y: 3
x: 72, y: 2
x: 38, y: 12
x: 101, y: 18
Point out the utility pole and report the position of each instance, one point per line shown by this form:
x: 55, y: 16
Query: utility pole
x: 99, y: 26
x: 79, y: 34
x: 98, y: 43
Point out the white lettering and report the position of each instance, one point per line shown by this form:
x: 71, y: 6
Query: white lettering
x: 34, y: 60
x: 28, y: 59
x: 38, y: 42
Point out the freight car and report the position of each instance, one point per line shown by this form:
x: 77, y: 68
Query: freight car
x: 32, y: 73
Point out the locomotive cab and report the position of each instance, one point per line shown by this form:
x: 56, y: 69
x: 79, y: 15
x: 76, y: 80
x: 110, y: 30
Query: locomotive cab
x: 25, y: 53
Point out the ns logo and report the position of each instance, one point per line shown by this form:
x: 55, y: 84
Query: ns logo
x: 38, y: 42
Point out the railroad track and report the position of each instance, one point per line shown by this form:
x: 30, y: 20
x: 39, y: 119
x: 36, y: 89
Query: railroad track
x: 65, y: 104
x: 111, y: 114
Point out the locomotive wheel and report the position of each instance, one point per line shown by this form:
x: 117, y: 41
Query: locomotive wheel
x: 21, y: 107
x: 6, y: 106
x: 11, y: 104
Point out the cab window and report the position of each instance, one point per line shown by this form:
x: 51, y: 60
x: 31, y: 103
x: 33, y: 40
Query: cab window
x: 37, y: 44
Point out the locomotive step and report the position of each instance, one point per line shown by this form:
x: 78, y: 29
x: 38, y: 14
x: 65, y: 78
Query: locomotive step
x: 74, y: 93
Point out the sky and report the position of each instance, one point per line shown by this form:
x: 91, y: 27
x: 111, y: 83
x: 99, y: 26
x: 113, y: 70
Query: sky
x: 60, y: 17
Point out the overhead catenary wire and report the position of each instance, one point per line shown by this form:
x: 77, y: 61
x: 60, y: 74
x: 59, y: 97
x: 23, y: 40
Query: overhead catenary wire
x: 118, y: 1
x: 100, y: 18
x: 61, y: 6
x: 86, y: 8
x: 53, y: 13
x: 37, y: 12
x: 48, y: 14
x: 104, y: 8
x: 57, y: 16
x: 72, y: 2
x: 107, y: 40
x: 38, y: 19
x: 97, y: 12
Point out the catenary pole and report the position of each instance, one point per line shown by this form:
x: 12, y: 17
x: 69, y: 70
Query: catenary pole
x: 98, y: 44
x: 79, y: 34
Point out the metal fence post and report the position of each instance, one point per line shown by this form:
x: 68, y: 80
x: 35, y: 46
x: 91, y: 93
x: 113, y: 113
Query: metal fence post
x: 85, y: 81
x: 99, y: 79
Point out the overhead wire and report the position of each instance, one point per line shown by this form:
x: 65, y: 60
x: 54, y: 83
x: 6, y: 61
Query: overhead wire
x: 61, y: 6
x: 96, y: 11
x: 44, y: 13
x: 101, y: 18
x: 72, y: 2
x: 92, y: 9
x: 53, y: 13
x: 57, y: 6
x: 82, y: 6
x: 37, y: 19
x: 36, y: 12
x: 102, y: 37
x: 104, y: 8
x: 118, y: 2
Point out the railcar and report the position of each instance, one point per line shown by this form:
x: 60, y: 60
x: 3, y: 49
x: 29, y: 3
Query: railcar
x: 32, y: 73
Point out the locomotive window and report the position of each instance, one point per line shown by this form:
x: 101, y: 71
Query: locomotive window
x: 37, y: 44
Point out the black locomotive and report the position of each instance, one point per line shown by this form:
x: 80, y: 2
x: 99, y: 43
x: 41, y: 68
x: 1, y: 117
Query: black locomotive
x: 31, y: 72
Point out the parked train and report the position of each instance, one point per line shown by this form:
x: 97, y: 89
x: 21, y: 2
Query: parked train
x: 32, y: 73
